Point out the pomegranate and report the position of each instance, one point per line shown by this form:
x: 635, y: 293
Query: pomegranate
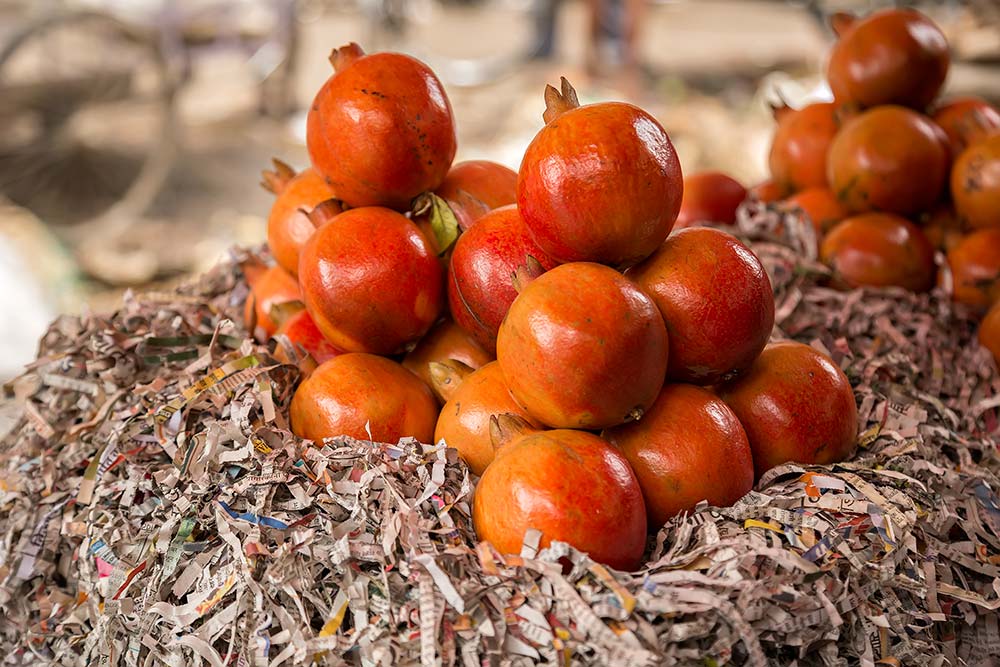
x: 943, y: 228
x: 371, y: 281
x: 598, y: 183
x: 975, y: 183
x: 583, y: 347
x: 767, y: 192
x: 820, y: 206
x: 975, y: 268
x: 689, y: 447
x: 570, y: 485
x: 893, y: 56
x: 288, y: 224
x: 302, y: 334
x: 879, y: 250
x: 268, y: 288
x: 716, y: 300
x: 476, y: 187
x: 710, y: 196
x: 795, y: 405
x: 801, y: 141
x: 966, y: 121
x: 381, y: 129
x: 481, y: 276
x: 464, y: 422
x: 989, y: 332
x: 356, y: 392
x: 888, y: 159
x: 446, y: 341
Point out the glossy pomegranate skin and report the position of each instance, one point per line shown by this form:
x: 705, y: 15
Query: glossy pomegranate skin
x: 573, y: 487
x: 600, y: 183
x: 351, y: 390
x: 288, y: 228
x: 301, y: 331
x: 476, y: 187
x: 371, y: 281
x: 445, y: 341
x: 269, y: 288
x: 989, y: 333
x: 480, y: 276
x: 716, y: 300
x: 801, y: 141
x: 689, y: 447
x: 975, y: 184
x: 893, y: 56
x: 795, y: 405
x: 710, y: 196
x: 381, y: 130
x: 966, y: 121
x: 975, y: 269
x: 820, y: 205
x: 888, y: 159
x: 464, y: 422
x: 880, y: 250
x: 583, y: 347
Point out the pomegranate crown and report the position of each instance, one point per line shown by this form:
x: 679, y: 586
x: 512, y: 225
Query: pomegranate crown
x: 558, y: 102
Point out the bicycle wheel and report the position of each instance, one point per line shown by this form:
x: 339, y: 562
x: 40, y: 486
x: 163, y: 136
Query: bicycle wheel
x: 87, y: 107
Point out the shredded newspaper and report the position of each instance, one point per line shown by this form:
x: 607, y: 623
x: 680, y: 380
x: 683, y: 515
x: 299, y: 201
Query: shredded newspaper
x: 156, y: 509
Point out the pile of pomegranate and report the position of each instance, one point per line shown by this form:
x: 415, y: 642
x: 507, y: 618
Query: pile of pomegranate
x: 598, y: 373
x: 888, y: 175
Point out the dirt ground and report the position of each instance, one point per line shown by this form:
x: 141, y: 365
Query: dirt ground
x: 710, y: 67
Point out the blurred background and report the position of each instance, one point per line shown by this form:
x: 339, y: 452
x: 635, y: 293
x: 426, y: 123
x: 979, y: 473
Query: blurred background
x: 133, y: 132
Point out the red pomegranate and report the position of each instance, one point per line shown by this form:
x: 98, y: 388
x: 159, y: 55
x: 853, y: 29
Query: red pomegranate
x: 710, y: 196
x: 599, y: 183
x: 583, y: 347
x: 801, y: 141
x: 481, y: 276
x: 380, y: 130
x: 288, y: 224
x: 371, y: 281
x: 966, y: 121
x: 302, y: 333
x: 716, y: 300
x: 445, y: 342
x: 269, y: 287
x: 573, y: 487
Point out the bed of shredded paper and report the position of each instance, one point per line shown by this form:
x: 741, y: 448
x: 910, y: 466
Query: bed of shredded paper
x: 154, y: 509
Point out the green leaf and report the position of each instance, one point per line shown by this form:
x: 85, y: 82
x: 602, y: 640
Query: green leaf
x: 443, y: 223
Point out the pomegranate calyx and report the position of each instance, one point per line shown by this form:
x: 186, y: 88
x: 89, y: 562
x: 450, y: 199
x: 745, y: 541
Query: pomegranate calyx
x: 344, y: 56
x: 324, y: 212
x: 526, y: 272
x: 446, y: 376
x: 558, y: 102
x: 841, y: 21
x: 506, y: 428
x: 443, y: 221
x: 275, y: 181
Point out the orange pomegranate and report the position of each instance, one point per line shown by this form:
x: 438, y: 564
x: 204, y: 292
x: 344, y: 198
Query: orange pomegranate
x: 445, y: 341
x: 820, y: 205
x: 302, y: 333
x: 464, y: 422
x: 710, y: 196
x: 966, y: 121
x: 573, y: 487
x: 795, y: 405
x: 801, y: 141
x: 975, y: 183
x: 689, y: 447
x: 767, y: 192
x: 879, y: 250
x: 371, y: 281
x: 888, y: 159
x: 352, y: 390
x: 381, y: 129
x: 989, y: 332
x: 975, y: 268
x: 716, y: 300
x: 288, y: 224
x: 476, y: 187
x: 893, y: 56
x: 481, y: 274
x: 583, y: 347
x: 267, y: 289
x: 599, y: 183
